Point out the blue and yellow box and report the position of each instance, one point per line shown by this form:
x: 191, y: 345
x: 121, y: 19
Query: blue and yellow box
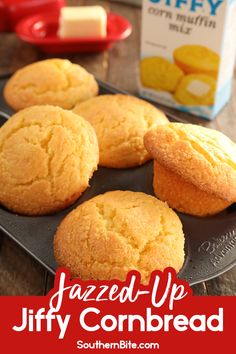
x: 188, y: 52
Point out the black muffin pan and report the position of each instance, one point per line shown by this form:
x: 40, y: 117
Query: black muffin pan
x: 209, y: 242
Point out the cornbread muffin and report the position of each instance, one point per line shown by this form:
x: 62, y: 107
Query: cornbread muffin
x: 196, y: 90
x: 119, y: 231
x: 56, y: 82
x: 195, y: 168
x: 47, y: 156
x: 160, y: 74
x: 197, y: 59
x: 120, y: 122
x: 184, y: 196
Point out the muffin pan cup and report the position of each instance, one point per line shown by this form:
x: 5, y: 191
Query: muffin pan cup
x: 210, y: 243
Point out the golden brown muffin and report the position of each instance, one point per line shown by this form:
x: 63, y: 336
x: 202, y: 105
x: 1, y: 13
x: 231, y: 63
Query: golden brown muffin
x: 184, y: 196
x: 120, y: 122
x: 195, y: 170
x: 47, y: 156
x: 196, y: 90
x: 119, y: 231
x: 197, y: 59
x: 160, y: 74
x: 57, y: 82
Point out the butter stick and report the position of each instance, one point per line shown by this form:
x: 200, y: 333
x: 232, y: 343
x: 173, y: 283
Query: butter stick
x: 82, y: 22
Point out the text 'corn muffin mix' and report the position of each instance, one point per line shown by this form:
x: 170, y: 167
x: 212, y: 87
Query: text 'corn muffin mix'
x: 188, y: 53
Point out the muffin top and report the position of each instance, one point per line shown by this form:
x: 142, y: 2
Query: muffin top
x: 56, y: 82
x: 118, y: 231
x: 202, y: 156
x: 47, y: 156
x: 160, y: 74
x: 191, y: 57
x: 186, y: 94
x: 120, y: 122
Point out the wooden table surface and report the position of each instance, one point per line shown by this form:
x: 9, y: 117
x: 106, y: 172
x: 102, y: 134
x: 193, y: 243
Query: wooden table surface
x: 19, y: 273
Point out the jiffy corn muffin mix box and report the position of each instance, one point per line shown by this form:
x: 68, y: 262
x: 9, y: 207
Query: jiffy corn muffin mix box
x: 187, y: 53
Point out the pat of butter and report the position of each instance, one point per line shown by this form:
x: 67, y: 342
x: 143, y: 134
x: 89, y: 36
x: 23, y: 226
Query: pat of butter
x: 198, y: 88
x: 82, y: 22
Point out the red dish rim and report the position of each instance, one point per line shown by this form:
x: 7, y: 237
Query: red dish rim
x: 23, y: 31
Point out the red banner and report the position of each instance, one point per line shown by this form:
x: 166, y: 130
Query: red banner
x: 100, y: 316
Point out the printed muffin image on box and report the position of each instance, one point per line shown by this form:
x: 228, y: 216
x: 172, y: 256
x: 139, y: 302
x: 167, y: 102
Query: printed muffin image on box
x: 197, y: 59
x: 160, y: 74
x: 187, y: 54
x: 196, y: 90
x: 191, y: 80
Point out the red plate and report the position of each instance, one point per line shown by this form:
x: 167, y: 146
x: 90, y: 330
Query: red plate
x: 41, y: 30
